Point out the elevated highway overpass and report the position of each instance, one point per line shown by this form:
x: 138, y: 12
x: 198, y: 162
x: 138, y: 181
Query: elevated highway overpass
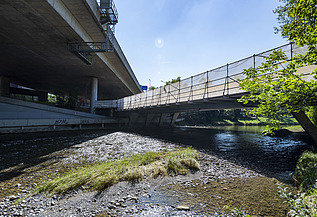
x: 59, y: 46
x: 34, y: 38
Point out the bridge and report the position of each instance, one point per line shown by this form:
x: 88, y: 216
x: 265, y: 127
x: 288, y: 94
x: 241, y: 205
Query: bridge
x: 50, y: 46
x: 211, y: 90
x: 59, y: 46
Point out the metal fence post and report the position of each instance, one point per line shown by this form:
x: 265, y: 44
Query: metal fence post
x: 179, y: 92
x: 291, y: 51
x: 253, y: 60
x: 227, y: 79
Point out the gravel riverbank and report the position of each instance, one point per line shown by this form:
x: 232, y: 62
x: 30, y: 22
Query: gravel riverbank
x: 25, y: 162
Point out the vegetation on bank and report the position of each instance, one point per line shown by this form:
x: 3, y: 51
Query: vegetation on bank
x: 229, y: 117
x: 137, y: 167
x: 304, y: 203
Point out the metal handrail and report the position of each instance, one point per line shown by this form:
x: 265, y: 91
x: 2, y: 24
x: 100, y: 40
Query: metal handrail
x: 206, y: 85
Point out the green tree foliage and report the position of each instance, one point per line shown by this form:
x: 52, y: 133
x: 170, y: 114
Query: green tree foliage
x: 173, y: 81
x: 152, y: 88
x: 312, y: 114
x: 276, y: 84
x: 211, y: 117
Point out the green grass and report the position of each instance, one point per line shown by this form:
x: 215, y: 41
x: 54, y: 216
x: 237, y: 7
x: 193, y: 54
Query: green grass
x: 102, y: 175
x: 262, y: 120
x: 294, y: 128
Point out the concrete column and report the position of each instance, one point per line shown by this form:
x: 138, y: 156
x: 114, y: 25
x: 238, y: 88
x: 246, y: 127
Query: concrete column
x: 162, y: 119
x: 94, y: 94
x: 4, y: 86
x: 133, y: 117
x: 149, y: 118
x: 175, y: 116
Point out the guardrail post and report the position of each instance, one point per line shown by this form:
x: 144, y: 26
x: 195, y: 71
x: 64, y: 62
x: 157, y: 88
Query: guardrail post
x: 160, y: 97
x: 291, y: 51
x: 191, y: 89
x: 206, y: 86
x: 254, y: 61
x: 227, y: 79
x: 179, y: 92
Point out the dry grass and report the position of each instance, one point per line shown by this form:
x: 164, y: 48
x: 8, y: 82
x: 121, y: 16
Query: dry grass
x: 137, y: 167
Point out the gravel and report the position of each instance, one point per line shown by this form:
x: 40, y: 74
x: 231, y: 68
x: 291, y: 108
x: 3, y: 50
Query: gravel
x: 124, y: 198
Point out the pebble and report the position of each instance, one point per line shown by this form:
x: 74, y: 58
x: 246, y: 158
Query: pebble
x: 120, y: 202
x: 186, y: 208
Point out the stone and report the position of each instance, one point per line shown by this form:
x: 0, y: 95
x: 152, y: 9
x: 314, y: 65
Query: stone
x: 12, y: 197
x: 186, y: 208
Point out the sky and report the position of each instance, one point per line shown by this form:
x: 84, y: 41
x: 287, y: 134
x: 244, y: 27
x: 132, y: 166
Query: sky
x: 166, y: 39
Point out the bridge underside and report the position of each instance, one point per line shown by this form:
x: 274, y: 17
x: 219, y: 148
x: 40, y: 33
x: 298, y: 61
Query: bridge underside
x: 197, y: 105
x: 166, y: 115
x: 34, y: 54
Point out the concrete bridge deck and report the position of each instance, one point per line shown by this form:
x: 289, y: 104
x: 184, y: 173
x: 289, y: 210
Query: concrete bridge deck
x: 34, y: 52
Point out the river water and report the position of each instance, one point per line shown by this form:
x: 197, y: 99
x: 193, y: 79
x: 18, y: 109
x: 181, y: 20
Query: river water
x: 273, y: 156
x: 38, y: 155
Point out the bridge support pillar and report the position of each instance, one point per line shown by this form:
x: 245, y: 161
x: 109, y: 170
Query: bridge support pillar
x: 132, y: 119
x: 163, y: 117
x: 149, y: 118
x: 175, y: 116
x: 94, y: 94
x: 4, y: 86
x: 308, y: 126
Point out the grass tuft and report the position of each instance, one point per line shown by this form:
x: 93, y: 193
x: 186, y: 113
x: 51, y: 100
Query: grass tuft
x: 103, y: 175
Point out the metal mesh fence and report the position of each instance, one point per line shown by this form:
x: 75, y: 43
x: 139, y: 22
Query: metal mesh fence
x: 210, y: 84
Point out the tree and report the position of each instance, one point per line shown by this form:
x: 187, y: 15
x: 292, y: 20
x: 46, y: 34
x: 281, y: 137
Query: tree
x: 276, y: 84
x: 173, y: 81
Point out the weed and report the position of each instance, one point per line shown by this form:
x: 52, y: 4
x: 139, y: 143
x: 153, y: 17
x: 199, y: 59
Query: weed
x: 102, y: 175
x: 301, y: 204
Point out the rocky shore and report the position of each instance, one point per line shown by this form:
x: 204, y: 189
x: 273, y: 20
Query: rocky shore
x: 162, y: 196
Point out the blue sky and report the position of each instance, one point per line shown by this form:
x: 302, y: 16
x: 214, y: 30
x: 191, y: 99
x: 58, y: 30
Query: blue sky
x: 164, y: 39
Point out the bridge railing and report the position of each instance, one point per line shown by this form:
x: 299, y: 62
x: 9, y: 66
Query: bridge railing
x: 215, y: 83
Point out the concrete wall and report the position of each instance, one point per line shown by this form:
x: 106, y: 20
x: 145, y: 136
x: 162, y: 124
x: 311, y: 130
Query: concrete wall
x: 18, y: 116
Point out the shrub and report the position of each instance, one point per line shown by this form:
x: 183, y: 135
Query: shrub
x: 305, y: 174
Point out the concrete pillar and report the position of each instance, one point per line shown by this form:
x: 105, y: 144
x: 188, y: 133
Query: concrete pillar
x: 163, y: 117
x: 149, y: 118
x: 94, y: 94
x: 4, y: 86
x: 175, y: 116
x: 133, y: 117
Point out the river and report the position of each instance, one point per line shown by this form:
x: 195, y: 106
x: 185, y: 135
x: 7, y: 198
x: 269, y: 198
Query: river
x: 272, y: 156
x: 25, y: 159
